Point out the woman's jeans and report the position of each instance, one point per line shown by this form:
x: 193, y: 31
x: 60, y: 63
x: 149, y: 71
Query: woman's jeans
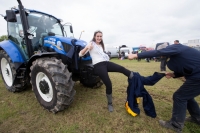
x: 102, y: 68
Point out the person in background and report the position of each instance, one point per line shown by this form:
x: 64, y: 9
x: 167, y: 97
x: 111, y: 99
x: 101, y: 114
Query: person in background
x: 102, y: 65
x: 163, y: 59
x: 122, y: 55
x: 147, y: 59
x: 163, y: 63
x: 139, y: 51
x: 183, y: 61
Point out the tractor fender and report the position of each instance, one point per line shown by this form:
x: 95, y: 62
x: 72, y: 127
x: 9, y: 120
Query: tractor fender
x: 40, y: 55
x: 11, y: 49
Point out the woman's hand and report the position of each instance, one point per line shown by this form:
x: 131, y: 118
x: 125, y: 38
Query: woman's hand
x: 132, y: 56
x: 89, y: 46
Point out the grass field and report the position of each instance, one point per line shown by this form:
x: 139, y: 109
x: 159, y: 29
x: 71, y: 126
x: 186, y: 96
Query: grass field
x: 21, y: 113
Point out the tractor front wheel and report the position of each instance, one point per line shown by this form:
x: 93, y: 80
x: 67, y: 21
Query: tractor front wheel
x: 52, y: 84
x: 8, y: 71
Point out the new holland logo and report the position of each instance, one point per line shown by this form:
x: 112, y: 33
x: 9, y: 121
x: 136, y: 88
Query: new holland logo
x: 52, y: 41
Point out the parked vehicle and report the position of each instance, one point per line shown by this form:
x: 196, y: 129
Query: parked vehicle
x: 124, y: 49
x: 112, y: 50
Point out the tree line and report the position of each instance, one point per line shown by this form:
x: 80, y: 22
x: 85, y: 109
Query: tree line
x: 3, y: 37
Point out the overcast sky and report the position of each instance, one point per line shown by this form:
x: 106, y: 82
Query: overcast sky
x: 123, y: 22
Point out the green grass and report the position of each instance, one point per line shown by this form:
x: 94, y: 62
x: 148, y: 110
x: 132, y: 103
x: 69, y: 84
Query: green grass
x: 21, y: 113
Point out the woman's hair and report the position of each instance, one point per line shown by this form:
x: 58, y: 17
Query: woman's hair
x: 93, y: 39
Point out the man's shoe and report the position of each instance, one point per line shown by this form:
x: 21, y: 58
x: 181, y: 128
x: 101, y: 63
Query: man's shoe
x: 169, y: 125
x: 193, y: 120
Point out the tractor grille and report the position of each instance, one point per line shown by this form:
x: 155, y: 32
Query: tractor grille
x: 66, y: 46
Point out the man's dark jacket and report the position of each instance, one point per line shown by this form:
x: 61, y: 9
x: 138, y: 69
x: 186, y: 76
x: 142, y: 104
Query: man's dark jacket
x: 136, y: 89
x: 183, y: 60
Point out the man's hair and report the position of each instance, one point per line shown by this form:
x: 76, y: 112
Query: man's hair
x: 176, y: 41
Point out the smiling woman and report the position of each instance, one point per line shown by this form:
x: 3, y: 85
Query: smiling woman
x: 102, y: 65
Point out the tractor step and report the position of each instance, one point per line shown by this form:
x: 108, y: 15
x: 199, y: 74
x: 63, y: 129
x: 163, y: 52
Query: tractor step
x: 20, y: 77
x: 22, y: 68
x: 18, y: 85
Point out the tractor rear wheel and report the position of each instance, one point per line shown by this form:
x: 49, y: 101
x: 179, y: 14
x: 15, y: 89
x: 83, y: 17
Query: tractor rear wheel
x: 8, y: 72
x: 52, y: 84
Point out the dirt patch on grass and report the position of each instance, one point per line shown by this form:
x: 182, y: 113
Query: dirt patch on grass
x: 182, y: 79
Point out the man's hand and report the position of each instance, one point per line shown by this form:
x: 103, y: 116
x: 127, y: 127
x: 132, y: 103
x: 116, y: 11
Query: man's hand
x: 132, y: 56
x: 169, y: 75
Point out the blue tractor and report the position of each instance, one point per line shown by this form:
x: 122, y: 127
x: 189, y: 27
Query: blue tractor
x: 43, y: 52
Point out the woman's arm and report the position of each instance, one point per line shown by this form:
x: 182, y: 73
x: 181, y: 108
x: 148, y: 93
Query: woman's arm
x: 88, y: 47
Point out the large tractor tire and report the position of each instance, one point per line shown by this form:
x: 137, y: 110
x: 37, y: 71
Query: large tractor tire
x: 8, y: 72
x: 52, y: 84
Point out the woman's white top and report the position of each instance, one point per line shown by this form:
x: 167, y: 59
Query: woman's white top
x: 97, y: 54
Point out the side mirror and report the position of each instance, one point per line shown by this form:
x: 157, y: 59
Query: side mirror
x: 71, y: 29
x: 11, y: 16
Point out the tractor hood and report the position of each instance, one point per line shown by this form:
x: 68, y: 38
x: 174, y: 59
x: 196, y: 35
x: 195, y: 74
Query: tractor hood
x: 62, y: 45
x: 77, y: 42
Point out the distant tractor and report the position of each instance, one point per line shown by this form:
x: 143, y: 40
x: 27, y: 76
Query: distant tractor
x: 43, y: 52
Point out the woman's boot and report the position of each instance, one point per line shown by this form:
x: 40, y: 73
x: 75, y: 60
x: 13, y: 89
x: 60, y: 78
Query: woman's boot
x: 110, y: 106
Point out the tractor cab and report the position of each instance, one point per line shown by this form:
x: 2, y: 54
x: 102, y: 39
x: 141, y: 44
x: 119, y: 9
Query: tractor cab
x: 42, y: 25
x: 39, y: 26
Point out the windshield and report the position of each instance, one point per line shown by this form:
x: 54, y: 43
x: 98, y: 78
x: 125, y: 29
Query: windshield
x: 40, y: 25
x: 44, y: 23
